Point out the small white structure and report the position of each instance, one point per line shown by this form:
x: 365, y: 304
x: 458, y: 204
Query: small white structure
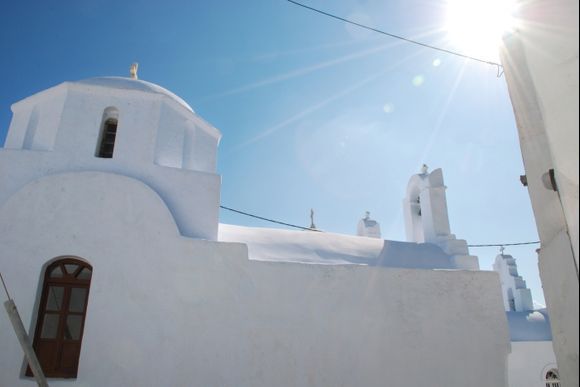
x: 368, y: 227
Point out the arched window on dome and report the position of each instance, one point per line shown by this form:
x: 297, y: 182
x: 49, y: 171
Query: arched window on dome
x: 108, y: 133
x: 552, y: 378
x: 61, y: 317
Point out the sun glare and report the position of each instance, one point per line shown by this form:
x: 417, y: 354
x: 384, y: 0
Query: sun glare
x: 477, y: 26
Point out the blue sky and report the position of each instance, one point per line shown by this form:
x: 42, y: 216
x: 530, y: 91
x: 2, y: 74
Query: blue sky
x: 314, y: 113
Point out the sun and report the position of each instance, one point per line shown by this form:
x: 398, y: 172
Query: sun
x: 476, y: 26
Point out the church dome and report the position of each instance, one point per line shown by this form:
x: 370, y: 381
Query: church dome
x: 134, y: 84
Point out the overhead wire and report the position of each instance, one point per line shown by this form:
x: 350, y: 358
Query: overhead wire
x: 505, y: 244
x: 498, y: 65
x: 316, y: 230
x: 499, y: 69
x: 269, y: 220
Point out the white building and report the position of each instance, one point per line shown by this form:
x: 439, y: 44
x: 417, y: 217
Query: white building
x: 113, y: 253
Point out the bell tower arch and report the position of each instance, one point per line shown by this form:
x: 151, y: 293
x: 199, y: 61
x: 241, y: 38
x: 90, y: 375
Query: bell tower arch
x: 427, y: 218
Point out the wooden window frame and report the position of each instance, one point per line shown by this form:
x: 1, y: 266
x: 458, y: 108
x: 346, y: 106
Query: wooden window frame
x: 107, y: 139
x: 59, y: 355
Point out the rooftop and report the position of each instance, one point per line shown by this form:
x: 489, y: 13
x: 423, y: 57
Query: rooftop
x: 134, y: 84
x: 278, y: 245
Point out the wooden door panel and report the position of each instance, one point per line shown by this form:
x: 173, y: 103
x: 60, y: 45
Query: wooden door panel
x: 69, y: 359
x: 45, y: 352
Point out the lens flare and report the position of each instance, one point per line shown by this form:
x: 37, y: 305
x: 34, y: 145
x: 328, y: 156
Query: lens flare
x: 418, y: 80
x: 477, y: 26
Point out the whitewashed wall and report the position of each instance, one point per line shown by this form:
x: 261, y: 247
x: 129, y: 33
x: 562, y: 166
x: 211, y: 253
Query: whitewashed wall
x: 165, y: 310
x: 541, y: 69
x: 528, y: 363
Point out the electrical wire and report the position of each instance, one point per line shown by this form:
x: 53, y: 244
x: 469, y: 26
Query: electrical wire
x: 505, y: 244
x: 499, y: 66
x: 313, y: 229
x: 269, y: 220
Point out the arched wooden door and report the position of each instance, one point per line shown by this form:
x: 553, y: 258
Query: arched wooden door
x: 61, y: 317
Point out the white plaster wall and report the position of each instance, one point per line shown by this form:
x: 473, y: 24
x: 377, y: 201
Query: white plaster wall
x: 550, y: 39
x: 36, y: 120
x: 18, y: 126
x: 560, y: 284
x: 204, y: 144
x: 69, y: 121
x: 169, y: 145
x: 183, y: 143
x: 528, y: 363
x: 165, y: 310
x: 541, y: 69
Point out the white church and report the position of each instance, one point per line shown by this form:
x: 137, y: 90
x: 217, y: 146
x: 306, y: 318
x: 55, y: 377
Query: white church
x: 123, y: 276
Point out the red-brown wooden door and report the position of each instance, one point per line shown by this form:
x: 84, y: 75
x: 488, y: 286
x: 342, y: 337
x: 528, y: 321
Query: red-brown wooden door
x: 61, y: 317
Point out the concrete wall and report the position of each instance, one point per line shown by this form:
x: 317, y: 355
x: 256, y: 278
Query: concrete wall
x: 541, y: 68
x: 528, y: 363
x: 165, y: 310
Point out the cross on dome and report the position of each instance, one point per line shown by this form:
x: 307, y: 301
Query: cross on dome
x: 133, y: 70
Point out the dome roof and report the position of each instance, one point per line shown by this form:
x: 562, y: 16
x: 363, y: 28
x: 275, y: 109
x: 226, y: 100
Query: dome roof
x: 134, y: 84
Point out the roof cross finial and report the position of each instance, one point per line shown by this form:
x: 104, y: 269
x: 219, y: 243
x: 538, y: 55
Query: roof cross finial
x: 312, y: 225
x: 501, y: 250
x: 133, y: 70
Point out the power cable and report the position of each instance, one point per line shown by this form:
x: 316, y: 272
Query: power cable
x: 313, y: 229
x: 269, y: 220
x: 505, y: 244
x: 499, y: 66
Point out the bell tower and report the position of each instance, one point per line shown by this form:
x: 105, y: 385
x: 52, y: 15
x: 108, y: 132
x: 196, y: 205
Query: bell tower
x: 427, y: 219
